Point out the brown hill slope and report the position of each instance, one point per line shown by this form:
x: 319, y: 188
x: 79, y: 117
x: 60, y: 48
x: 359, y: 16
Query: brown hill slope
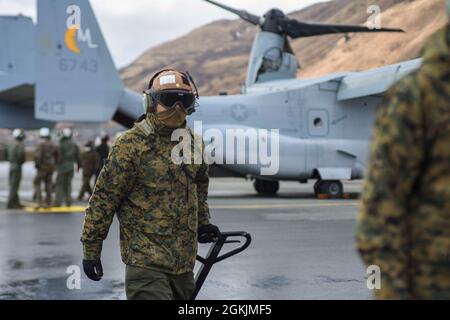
x: 217, y: 54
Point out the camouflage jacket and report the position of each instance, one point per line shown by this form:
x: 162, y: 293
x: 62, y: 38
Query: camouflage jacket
x: 405, y: 214
x: 46, y: 156
x: 90, y: 162
x: 16, y: 154
x: 158, y: 203
x: 69, y: 155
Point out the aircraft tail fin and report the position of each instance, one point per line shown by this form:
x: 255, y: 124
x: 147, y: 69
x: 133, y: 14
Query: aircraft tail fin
x: 76, y: 79
x: 16, y: 52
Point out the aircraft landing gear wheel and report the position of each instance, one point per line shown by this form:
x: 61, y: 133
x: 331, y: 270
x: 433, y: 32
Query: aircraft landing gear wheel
x: 265, y: 187
x: 332, y: 188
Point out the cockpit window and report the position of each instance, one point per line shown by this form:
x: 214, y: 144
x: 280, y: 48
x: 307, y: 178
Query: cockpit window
x: 272, y: 60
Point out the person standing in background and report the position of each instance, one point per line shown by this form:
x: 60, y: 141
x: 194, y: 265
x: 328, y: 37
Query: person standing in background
x: 90, y: 162
x: 69, y: 156
x: 16, y: 158
x: 46, y: 156
x: 103, y: 151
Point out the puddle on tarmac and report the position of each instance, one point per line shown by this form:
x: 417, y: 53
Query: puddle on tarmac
x: 14, y: 264
x: 61, y: 261
x: 48, y: 243
x: 272, y: 282
x: 49, y: 289
x: 327, y: 279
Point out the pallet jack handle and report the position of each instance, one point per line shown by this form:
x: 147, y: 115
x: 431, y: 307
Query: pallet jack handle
x: 213, y: 255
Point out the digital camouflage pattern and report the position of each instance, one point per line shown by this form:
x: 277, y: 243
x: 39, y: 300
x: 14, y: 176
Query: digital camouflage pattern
x: 90, y: 162
x: 159, y: 205
x: 46, y: 157
x: 16, y: 158
x: 405, y: 215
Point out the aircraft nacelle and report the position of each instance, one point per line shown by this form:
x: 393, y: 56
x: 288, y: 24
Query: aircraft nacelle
x: 270, y: 59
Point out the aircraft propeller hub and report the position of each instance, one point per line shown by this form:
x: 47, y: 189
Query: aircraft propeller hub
x: 272, y: 21
x: 274, y: 14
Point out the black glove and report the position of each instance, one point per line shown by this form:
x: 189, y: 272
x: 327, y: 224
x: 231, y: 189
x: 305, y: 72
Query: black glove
x: 93, y: 269
x: 208, y: 233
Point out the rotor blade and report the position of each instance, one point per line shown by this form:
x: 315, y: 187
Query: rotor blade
x: 253, y: 19
x: 297, y: 29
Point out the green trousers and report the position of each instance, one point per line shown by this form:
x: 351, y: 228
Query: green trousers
x: 64, y: 188
x: 145, y: 284
x: 43, y: 176
x: 15, y: 175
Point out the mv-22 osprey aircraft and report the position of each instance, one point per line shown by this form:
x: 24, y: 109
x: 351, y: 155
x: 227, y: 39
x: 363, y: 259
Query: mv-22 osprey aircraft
x: 61, y: 70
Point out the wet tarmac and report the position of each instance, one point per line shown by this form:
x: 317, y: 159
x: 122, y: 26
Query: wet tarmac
x: 302, y: 248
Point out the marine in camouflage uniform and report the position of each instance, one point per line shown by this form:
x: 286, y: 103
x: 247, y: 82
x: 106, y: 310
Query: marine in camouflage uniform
x: 46, y: 156
x: 69, y: 156
x: 103, y: 151
x: 404, y: 223
x: 161, y: 206
x: 16, y: 158
x: 90, y: 162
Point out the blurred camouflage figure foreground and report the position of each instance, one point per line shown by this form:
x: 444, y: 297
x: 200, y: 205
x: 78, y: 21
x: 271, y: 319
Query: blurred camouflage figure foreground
x: 404, y: 223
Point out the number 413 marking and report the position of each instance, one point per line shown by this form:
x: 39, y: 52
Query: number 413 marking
x: 53, y: 108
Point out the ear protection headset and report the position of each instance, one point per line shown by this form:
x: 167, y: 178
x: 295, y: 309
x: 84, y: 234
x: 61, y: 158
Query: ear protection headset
x: 149, y: 104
